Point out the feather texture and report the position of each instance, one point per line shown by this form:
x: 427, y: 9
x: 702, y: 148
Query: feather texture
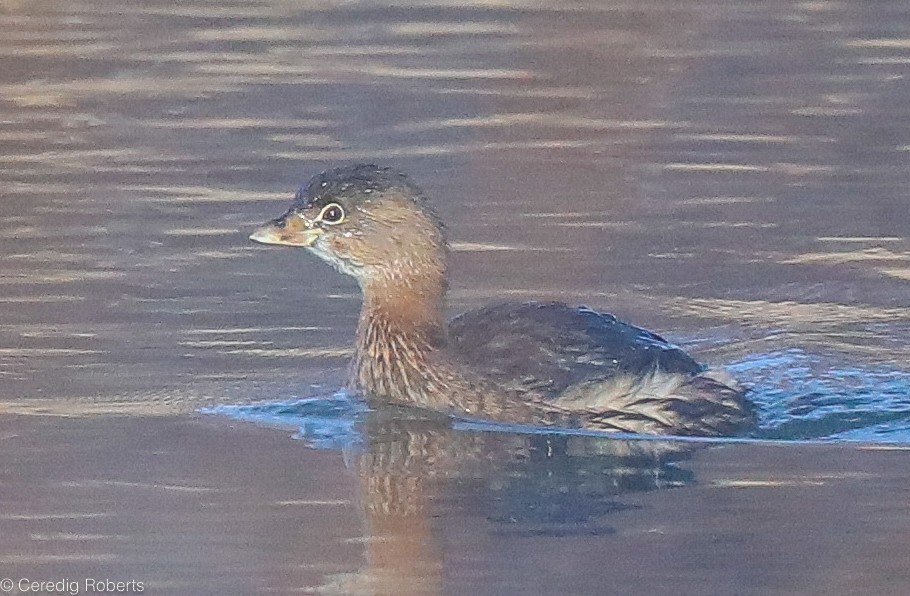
x: 534, y: 363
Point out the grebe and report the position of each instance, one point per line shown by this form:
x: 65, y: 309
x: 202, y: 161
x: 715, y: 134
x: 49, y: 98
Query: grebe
x: 540, y: 363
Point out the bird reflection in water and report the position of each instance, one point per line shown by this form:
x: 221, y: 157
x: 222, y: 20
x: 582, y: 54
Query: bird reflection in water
x: 418, y: 471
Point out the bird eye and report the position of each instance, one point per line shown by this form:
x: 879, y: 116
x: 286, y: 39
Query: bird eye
x: 331, y: 214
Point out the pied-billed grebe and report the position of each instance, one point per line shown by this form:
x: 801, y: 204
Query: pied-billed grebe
x: 535, y: 363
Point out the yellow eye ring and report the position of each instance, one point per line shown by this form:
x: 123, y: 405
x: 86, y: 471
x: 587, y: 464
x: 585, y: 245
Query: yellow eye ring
x: 332, y: 213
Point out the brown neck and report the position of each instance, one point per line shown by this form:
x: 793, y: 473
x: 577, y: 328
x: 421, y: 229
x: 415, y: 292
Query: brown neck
x: 401, y: 355
x: 400, y: 338
x: 407, y: 302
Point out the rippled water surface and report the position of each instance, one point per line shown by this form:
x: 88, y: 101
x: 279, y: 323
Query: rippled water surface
x: 731, y: 174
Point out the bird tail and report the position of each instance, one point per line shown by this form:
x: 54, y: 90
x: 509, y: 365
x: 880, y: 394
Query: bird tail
x: 709, y: 403
x: 713, y: 402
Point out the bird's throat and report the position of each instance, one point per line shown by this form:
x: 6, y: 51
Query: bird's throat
x: 401, y: 336
x: 406, y: 303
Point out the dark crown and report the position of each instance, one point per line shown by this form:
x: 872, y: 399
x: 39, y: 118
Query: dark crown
x: 358, y: 181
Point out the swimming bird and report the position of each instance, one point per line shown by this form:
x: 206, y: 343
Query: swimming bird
x: 537, y: 363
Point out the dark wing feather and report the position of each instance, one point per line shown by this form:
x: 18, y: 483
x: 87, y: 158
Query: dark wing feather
x: 548, y: 347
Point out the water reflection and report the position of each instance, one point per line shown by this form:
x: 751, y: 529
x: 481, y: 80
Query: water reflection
x: 413, y: 470
x: 542, y: 485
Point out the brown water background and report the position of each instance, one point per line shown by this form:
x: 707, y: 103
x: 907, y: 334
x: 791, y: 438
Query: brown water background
x: 731, y: 174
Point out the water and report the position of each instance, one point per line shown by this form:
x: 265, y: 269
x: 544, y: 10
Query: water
x: 730, y: 175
